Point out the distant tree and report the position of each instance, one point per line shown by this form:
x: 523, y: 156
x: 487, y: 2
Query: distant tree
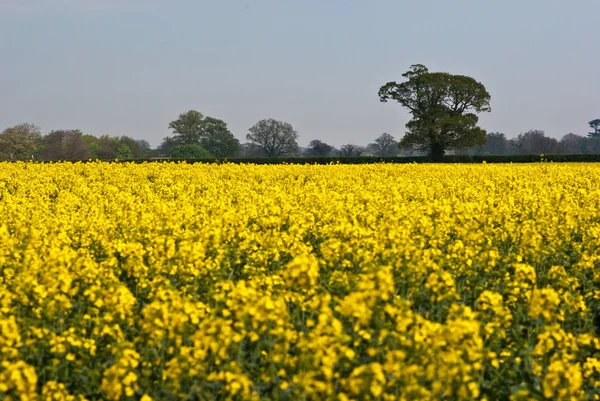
x: 190, y: 152
x: 93, y: 143
x: 192, y: 128
x: 124, y: 153
x: 217, y: 139
x: 187, y: 129
x: 593, y: 144
x: 496, y: 144
x: 572, y: 143
x: 136, y: 150
x: 108, y: 146
x: 319, y: 148
x: 250, y: 150
x: 351, y: 150
x: 443, y: 108
x: 384, y: 145
x: 595, y: 125
x: 65, y: 145
x: 275, y: 138
x: 144, y: 144
x: 165, y: 147
x: 19, y: 142
x: 534, y: 142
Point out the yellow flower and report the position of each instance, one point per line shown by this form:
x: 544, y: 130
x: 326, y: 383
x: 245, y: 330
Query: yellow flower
x: 248, y: 281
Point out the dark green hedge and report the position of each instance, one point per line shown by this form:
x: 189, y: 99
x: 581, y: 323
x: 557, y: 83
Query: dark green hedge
x: 371, y: 159
x: 413, y: 159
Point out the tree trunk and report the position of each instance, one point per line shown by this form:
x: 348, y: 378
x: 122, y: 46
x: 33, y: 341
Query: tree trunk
x: 437, y: 152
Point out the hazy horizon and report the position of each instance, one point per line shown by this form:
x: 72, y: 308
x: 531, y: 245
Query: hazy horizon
x: 114, y: 69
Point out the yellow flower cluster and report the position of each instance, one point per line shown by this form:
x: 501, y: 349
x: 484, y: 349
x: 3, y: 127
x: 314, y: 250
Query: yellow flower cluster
x: 164, y: 281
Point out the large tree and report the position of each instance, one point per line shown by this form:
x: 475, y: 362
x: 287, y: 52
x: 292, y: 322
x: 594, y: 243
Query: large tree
x: 19, y: 142
x: 187, y: 129
x: 443, y: 108
x: 217, y: 139
x: 65, y: 145
x: 384, y: 145
x: 275, y: 138
x: 192, y: 128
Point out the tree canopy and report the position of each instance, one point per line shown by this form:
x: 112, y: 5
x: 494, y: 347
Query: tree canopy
x: 19, y: 142
x: 188, y: 128
x: 275, y: 138
x: 384, y: 145
x: 595, y: 125
x: 65, y: 145
x: 319, y: 148
x: 212, y: 134
x: 534, y: 142
x: 443, y: 108
x: 351, y: 149
x: 124, y: 153
x: 217, y: 139
x: 190, y: 152
x: 496, y: 144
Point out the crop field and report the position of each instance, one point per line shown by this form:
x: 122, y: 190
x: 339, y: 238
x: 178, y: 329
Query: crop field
x: 163, y: 281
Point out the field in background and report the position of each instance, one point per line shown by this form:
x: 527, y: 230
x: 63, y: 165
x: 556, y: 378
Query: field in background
x: 348, y: 282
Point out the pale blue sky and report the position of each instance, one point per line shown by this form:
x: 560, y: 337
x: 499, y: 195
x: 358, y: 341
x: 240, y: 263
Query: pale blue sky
x: 130, y: 67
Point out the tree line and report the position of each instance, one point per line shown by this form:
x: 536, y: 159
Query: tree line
x: 26, y: 142
x: 268, y: 138
x: 444, y: 110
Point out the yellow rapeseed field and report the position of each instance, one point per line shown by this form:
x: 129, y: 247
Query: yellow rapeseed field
x: 243, y: 282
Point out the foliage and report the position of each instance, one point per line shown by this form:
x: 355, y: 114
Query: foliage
x: 475, y: 158
x: 138, y: 148
x: 250, y: 150
x: 217, y: 139
x: 275, y: 138
x: 188, y: 128
x: 595, y: 126
x: 124, y: 153
x: 108, y: 147
x: 444, y: 110
x: 19, y: 142
x: 385, y: 145
x: 572, y: 143
x: 164, y: 281
x: 495, y: 144
x: 351, y: 150
x: 166, y: 146
x: 534, y: 141
x: 190, y: 152
x: 93, y: 144
x: 144, y: 144
x: 192, y: 128
x: 65, y: 145
x: 319, y: 149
